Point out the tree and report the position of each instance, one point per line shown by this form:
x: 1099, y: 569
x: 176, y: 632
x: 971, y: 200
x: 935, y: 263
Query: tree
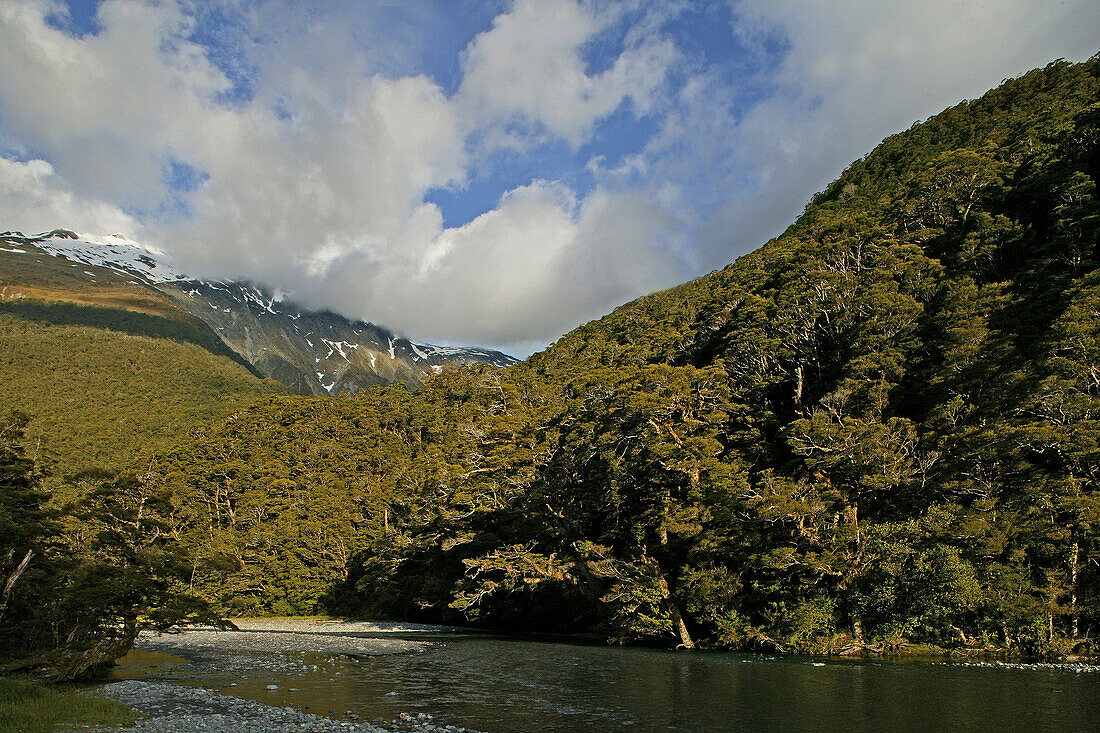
x: 25, y: 524
x: 78, y: 600
x: 1064, y: 433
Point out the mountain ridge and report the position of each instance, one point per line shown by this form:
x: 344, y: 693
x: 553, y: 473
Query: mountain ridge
x: 313, y: 352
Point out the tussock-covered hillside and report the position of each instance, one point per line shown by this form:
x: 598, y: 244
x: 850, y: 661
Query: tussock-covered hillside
x: 107, y: 369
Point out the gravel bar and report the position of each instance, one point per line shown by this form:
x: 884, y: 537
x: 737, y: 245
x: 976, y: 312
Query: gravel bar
x: 266, y: 645
x: 336, y: 626
x: 203, y: 642
x: 175, y: 709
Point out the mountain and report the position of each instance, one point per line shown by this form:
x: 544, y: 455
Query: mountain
x: 877, y: 432
x: 108, y: 369
x: 314, y: 353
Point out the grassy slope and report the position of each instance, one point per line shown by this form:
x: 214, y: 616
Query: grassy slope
x: 109, y: 371
x: 40, y: 276
x: 30, y: 708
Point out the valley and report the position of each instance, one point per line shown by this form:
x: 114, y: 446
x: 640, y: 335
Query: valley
x: 876, y: 436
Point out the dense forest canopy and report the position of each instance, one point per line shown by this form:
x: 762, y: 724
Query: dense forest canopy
x: 80, y: 580
x: 105, y: 369
x: 881, y: 428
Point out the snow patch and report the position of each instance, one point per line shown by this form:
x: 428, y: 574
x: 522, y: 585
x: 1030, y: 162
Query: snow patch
x: 339, y: 346
x: 113, y: 252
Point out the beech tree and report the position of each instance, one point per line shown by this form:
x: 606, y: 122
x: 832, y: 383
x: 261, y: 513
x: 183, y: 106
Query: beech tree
x: 876, y: 430
x: 90, y: 576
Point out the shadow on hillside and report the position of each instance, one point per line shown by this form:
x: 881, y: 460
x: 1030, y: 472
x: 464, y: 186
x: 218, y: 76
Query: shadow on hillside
x: 123, y: 321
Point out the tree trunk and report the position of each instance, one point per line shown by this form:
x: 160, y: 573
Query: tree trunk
x: 857, y: 628
x: 65, y: 664
x: 798, y: 383
x: 686, y: 642
x: 853, y: 519
x: 1074, y: 615
x: 681, y: 628
x: 13, y: 579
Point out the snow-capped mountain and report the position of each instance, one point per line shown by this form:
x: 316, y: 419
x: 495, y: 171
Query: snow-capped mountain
x: 114, y: 252
x: 312, y: 352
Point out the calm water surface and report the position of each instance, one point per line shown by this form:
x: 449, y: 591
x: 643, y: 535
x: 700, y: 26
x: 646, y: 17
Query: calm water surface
x: 500, y: 686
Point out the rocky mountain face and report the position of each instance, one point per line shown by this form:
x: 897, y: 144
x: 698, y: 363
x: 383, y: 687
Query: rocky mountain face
x: 314, y: 353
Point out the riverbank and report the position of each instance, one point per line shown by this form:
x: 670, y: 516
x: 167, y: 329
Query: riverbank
x: 172, y: 708
x: 29, y: 707
x: 325, y: 675
x: 513, y: 686
x: 262, y: 643
x: 164, y: 688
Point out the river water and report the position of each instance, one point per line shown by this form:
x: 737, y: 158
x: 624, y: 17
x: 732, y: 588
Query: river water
x: 501, y: 685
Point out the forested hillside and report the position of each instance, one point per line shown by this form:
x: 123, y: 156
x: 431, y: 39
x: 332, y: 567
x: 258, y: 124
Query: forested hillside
x: 108, y: 371
x: 880, y: 428
x: 97, y: 374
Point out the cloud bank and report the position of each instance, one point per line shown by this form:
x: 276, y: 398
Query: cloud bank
x: 623, y: 146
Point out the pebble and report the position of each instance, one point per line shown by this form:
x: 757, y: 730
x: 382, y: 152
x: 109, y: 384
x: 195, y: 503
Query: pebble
x: 1077, y: 667
x: 176, y: 709
x: 204, y: 642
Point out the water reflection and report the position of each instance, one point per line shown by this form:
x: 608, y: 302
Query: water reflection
x: 504, y: 686
x: 140, y: 663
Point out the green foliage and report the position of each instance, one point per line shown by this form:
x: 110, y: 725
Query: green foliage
x: 97, y: 395
x: 31, y: 708
x: 272, y: 504
x: 135, y: 323
x: 880, y: 428
x: 812, y: 619
x: 75, y: 601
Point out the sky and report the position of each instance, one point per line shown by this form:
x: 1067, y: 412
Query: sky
x: 489, y: 173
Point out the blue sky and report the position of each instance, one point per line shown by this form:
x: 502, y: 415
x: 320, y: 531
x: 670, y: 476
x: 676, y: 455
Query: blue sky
x: 475, y: 172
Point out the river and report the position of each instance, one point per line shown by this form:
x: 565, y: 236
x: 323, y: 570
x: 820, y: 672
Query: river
x: 500, y: 686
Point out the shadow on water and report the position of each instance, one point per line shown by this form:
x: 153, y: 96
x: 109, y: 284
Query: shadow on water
x: 140, y: 663
x: 503, y: 685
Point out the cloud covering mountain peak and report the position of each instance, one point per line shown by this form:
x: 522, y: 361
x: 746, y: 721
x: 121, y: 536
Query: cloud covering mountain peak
x: 495, y: 176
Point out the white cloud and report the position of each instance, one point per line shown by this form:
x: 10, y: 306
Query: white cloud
x: 318, y: 182
x: 534, y: 267
x: 529, y: 67
x: 306, y: 193
x: 855, y: 72
x: 110, y: 108
x: 34, y: 199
